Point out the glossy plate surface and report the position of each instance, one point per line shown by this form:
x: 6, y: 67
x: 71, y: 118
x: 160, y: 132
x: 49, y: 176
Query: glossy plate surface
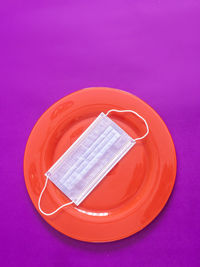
x: 135, y: 190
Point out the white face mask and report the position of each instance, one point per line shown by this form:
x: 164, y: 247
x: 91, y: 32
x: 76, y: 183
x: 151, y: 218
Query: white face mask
x: 79, y: 170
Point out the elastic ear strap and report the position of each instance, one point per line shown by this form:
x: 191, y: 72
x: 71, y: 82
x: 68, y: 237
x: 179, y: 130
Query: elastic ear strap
x: 39, y: 200
x: 131, y: 111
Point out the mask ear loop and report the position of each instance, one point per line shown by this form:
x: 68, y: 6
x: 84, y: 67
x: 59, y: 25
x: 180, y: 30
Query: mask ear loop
x: 53, y: 212
x: 135, y: 113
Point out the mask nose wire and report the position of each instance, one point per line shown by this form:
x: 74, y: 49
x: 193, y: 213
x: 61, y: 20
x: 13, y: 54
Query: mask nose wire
x: 135, y: 113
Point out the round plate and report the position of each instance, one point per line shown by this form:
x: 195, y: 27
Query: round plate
x: 134, y: 191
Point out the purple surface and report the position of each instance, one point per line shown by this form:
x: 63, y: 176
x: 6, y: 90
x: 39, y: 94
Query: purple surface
x: 149, y: 48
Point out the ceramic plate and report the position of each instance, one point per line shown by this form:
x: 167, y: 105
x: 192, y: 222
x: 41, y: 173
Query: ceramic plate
x: 135, y: 190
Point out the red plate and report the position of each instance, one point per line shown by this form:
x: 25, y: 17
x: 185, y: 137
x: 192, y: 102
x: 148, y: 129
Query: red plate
x: 135, y: 190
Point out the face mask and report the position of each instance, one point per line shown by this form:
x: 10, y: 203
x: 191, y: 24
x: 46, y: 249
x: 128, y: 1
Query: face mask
x: 81, y: 168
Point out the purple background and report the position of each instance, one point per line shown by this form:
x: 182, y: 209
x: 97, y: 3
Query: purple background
x: 48, y: 50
